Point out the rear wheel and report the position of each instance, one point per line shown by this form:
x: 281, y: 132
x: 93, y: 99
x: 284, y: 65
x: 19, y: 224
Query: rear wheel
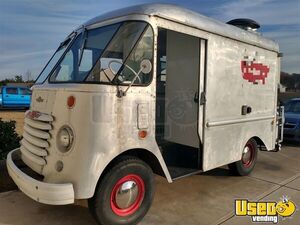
x: 248, y: 160
x: 124, y: 194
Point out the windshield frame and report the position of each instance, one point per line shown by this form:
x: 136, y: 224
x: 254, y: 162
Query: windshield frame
x: 72, y: 38
x: 148, y: 25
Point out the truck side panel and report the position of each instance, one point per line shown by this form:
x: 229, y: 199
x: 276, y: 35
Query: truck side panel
x: 240, y: 77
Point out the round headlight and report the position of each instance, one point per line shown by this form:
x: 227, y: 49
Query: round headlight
x: 65, y: 139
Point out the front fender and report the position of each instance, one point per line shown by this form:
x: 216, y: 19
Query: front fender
x: 101, y: 162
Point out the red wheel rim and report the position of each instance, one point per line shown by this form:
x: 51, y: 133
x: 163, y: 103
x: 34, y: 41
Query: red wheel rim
x: 248, y: 155
x: 139, y: 186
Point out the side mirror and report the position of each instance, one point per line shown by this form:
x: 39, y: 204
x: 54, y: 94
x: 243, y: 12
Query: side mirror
x: 146, y: 66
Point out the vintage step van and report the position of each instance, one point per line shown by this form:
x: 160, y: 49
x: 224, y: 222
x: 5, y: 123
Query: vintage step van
x: 147, y: 89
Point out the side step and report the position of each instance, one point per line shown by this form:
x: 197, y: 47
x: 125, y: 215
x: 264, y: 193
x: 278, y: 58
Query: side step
x: 277, y: 148
x: 181, y: 160
x: 179, y: 172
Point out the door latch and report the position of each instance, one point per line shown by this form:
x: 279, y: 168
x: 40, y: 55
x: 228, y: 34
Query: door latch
x: 202, y: 98
x: 246, y: 109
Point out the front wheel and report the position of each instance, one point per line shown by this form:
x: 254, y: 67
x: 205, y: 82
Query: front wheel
x: 248, y: 160
x: 125, y: 193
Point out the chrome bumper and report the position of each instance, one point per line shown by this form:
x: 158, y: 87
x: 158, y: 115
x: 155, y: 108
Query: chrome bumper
x: 52, y: 194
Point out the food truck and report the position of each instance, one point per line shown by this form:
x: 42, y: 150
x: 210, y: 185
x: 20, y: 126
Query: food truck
x: 149, y: 89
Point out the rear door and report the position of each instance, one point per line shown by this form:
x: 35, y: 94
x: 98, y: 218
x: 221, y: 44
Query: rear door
x: 240, y: 90
x: 10, y: 96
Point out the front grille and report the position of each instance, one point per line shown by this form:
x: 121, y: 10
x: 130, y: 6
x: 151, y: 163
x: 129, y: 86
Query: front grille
x: 35, y: 143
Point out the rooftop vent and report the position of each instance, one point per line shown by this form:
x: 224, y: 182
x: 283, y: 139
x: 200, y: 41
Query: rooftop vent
x: 246, y: 24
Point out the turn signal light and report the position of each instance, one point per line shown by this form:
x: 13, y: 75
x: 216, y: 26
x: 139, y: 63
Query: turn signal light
x: 142, y: 134
x: 71, y: 101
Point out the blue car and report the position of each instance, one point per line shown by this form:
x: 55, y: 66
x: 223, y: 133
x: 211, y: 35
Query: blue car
x: 15, y: 97
x: 292, y: 121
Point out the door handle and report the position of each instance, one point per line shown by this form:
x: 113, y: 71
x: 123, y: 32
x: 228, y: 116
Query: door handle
x: 246, y: 109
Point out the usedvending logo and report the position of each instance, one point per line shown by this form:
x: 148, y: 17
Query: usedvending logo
x: 265, y: 211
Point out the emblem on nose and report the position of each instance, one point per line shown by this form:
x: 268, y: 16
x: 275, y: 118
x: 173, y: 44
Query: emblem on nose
x: 39, y: 99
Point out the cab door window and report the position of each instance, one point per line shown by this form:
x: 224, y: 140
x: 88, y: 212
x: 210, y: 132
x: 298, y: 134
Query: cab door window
x: 142, y: 51
x: 131, y: 44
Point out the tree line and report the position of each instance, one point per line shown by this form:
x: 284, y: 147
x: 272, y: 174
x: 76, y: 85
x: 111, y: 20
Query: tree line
x: 16, y: 79
x: 290, y: 81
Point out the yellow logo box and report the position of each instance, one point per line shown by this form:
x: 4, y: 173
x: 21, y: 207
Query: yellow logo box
x: 245, y: 208
x: 284, y: 208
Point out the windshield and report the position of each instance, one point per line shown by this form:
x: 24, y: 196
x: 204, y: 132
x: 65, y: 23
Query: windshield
x: 53, y: 61
x: 83, y: 53
x: 292, y: 107
x: 102, y: 54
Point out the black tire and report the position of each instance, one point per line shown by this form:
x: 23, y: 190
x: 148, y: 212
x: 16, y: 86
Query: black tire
x: 102, y: 205
x: 242, y: 167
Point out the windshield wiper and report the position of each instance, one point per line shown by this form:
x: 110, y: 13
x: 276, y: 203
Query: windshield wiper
x: 84, y: 38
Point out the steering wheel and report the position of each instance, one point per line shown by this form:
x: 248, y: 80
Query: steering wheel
x: 118, y: 62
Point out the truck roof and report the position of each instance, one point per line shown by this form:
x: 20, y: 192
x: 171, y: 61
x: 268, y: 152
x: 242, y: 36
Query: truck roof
x: 193, y: 19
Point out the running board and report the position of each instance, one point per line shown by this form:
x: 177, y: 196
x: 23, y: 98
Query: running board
x: 180, y: 172
x: 277, y: 148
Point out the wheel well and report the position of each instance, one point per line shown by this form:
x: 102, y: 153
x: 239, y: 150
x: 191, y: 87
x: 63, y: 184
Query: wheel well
x: 146, y: 156
x: 143, y: 155
x: 261, y: 145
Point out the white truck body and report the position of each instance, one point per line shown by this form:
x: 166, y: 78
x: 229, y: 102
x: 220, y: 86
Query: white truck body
x: 210, y: 89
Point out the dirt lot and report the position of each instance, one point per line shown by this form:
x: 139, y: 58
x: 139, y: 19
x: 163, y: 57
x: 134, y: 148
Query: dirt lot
x: 18, y: 116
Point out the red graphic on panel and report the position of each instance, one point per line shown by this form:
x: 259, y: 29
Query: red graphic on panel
x: 253, y: 72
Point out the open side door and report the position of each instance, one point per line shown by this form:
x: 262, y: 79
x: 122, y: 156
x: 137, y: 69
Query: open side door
x: 179, y: 106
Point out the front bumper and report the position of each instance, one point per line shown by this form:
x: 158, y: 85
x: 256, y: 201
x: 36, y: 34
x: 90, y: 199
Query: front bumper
x: 52, y: 194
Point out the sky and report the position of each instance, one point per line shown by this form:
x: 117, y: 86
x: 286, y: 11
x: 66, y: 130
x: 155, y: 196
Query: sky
x: 31, y: 30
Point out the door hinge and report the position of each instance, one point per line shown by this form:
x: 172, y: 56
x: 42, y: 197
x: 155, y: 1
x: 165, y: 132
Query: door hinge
x: 202, y: 98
